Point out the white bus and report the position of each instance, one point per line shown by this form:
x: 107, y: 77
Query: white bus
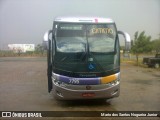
x: 84, y: 58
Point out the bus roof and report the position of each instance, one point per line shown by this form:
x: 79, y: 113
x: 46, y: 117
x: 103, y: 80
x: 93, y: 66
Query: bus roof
x: 84, y: 20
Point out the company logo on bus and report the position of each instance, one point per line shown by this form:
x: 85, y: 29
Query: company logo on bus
x: 88, y: 87
x: 87, y: 75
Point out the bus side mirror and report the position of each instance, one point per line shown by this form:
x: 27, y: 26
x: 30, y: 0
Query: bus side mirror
x: 127, y: 40
x: 46, y: 39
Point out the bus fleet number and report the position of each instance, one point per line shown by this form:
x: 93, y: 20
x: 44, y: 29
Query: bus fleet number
x: 73, y: 81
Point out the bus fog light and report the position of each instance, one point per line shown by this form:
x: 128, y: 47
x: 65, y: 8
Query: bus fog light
x: 114, y: 92
x: 59, y: 93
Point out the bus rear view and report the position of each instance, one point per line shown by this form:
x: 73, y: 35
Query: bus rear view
x: 84, y: 58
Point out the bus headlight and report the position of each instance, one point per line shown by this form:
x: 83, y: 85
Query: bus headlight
x: 115, y: 82
x: 58, y: 83
x: 110, y: 79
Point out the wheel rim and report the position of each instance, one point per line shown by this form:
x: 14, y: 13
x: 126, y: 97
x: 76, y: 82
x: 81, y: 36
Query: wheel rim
x: 156, y: 65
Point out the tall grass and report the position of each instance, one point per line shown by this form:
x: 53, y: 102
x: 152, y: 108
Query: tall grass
x: 8, y: 53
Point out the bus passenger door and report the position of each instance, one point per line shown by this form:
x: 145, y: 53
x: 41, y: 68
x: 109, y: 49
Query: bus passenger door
x: 47, y: 43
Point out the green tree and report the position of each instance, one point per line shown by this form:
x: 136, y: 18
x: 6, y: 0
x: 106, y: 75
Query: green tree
x: 122, y: 47
x: 141, y: 44
x: 156, y: 45
x: 39, y: 49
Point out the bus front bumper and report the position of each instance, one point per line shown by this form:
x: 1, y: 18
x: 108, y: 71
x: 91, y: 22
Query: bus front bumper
x: 73, y: 92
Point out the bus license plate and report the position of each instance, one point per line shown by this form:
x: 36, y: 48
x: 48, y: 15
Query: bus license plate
x: 88, y: 94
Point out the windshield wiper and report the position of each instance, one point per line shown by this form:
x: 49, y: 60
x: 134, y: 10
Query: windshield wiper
x: 63, y: 58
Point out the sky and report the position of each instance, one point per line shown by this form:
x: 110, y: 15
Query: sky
x: 26, y: 21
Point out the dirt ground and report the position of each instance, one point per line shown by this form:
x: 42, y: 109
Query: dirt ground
x: 23, y: 87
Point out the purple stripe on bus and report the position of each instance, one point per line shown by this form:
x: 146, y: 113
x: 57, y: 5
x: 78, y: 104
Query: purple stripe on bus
x: 89, y: 81
x: 79, y: 81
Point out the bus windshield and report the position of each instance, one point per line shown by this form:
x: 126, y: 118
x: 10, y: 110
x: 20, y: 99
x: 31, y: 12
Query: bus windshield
x: 78, y: 45
x: 73, y: 38
x: 101, y: 38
